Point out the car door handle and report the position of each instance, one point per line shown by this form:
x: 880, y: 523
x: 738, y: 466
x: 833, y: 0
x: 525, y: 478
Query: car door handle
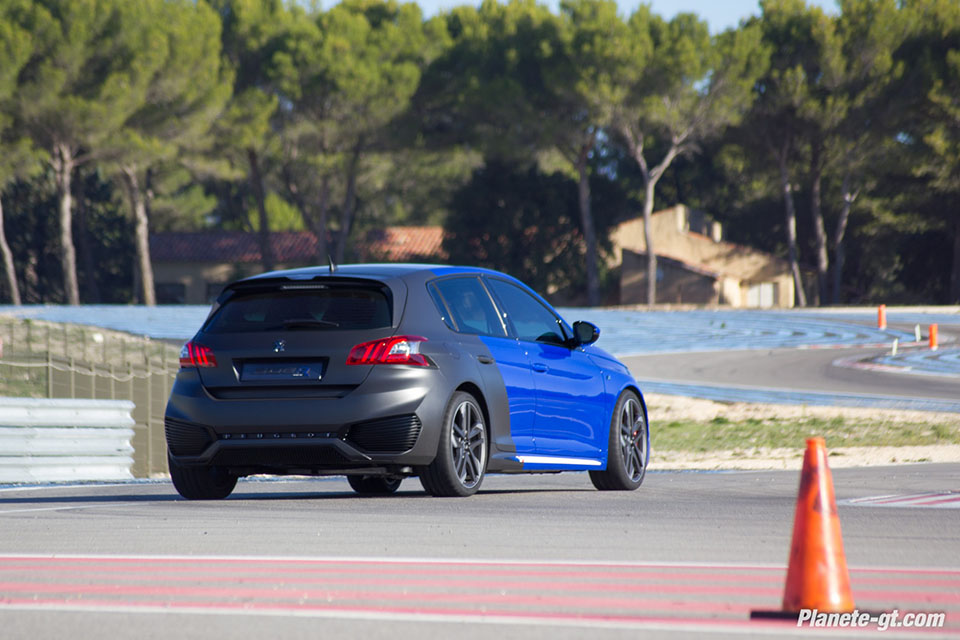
x: 484, y: 359
x: 539, y: 367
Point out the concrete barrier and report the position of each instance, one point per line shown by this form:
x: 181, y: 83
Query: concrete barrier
x: 63, y: 440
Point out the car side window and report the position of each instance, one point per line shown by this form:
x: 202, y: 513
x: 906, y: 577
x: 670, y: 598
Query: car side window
x: 466, y: 306
x: 528, y: 317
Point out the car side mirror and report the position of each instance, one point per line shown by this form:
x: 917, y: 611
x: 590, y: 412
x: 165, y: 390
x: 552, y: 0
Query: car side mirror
x: 585, y: 332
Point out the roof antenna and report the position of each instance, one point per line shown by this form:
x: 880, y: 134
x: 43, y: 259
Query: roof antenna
x: 333, y: 266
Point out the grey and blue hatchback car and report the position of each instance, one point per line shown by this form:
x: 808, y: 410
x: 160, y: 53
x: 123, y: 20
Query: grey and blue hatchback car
x: 381, y: 372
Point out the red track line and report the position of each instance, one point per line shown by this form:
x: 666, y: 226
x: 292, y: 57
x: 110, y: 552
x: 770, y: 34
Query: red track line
x: 915, y: 496
x: 295, y: 595
x: 954, y: 498
x: 520, y: 616
x: 514, y: 587
x: 943, y: 583
x: 257, y: 592
x: 907, y: 596
x: 924, y: 572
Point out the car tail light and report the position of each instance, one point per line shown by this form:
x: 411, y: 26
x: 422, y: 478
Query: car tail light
x: 197, y: 355
x: 395, y: 350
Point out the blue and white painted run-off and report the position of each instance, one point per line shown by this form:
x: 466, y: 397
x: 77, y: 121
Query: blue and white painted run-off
x: 732, y: 393
x: 945, y: 361
x: 626, y: 333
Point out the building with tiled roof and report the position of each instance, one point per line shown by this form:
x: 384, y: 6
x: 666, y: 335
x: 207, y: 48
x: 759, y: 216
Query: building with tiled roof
x: 696, y: 266
x: 193, y: 267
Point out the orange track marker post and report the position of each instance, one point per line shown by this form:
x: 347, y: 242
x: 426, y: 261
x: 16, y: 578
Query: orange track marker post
x: 934, y: 329
x: 882, y: 317
x: 817, y: 576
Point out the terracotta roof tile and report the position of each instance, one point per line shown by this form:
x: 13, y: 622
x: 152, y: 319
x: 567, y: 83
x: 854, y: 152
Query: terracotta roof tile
x: 402, y: 244
x: 393, y: 244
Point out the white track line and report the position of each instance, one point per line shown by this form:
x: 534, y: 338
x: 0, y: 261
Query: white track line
x: 105, y: 505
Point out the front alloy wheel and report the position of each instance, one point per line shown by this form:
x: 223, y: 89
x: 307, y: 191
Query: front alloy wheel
x: 628, y: 447
x: 461, y: 460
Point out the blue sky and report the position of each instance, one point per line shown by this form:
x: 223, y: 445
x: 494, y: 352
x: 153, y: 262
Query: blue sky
x: 719, y: 14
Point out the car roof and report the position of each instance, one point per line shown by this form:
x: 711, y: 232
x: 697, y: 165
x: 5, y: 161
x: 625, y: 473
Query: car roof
x: 371, y: 270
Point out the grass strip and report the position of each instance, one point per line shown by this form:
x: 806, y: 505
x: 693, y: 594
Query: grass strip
x: 721, y: 433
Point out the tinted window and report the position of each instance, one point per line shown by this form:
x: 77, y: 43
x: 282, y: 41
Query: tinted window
x: 526, y: 315
x: 337, y: 309
x: 466, y: 306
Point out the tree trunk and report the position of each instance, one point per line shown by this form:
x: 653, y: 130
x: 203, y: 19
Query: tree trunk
x: 955, y: 272
x: 587, y: 224
x: 650, y: 179
x: 816, y: 212
x: 839, y: 259
x: 63, y: 163
x: 839, y: 249
x: 349, y: 205
x: 648, y: 193
x: 138, y: 207
x: 256, y: 183
x: 7, y: 257
x: 791, y: 225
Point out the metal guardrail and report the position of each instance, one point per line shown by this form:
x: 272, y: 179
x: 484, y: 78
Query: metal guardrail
x: 46, y: 360
x: 43, y: 440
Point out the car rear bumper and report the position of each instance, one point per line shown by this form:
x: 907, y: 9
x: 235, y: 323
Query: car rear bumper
x: 391, y: 420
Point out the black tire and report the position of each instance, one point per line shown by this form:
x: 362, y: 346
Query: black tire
x: 461, y: 462
x: 374, y: 485
x: 201, y: 483
x: 628, y: 447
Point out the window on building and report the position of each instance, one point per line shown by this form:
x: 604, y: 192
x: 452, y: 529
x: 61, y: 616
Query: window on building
x: 171, y: 292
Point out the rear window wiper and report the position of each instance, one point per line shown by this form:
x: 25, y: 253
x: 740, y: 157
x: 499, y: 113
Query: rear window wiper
x: 302, y: 323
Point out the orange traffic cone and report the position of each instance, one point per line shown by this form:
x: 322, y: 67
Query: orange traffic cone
x: 817, y: 576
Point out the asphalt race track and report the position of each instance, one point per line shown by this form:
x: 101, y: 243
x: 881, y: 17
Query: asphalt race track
x: 530, y: 556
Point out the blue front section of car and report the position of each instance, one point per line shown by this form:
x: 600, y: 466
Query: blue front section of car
x: 571, y: 407
x: 561, y: 398
x: 560, y: 413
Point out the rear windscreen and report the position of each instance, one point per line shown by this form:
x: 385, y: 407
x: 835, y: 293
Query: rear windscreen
x: 333, y: 309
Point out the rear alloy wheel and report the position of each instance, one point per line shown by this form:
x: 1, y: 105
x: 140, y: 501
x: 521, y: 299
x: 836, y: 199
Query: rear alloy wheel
x: 201, y: 483
x: 461, y: 460
x: 374, y: 485
x: 628, y: 448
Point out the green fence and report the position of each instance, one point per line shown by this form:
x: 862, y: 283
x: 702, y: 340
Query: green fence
x: 48, y: 360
